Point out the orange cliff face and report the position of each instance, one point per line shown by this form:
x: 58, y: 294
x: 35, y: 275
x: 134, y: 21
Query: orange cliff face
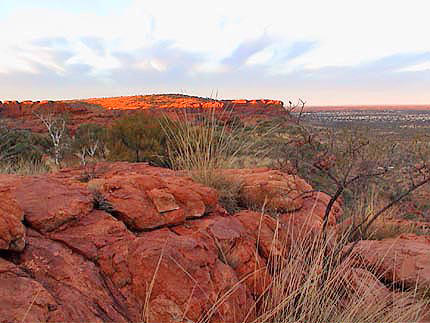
x: 176, y: 101
x: 143, y: 102
x: 104, y: 111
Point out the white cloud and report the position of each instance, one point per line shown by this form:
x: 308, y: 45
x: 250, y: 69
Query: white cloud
x: 416, y: 68
x: 342, y: 33
x: 261, y: 57
x: 347, y: 32
x: 87, y: 56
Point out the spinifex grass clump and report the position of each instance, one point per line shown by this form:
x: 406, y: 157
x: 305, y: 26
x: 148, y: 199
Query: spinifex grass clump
x: 204, y: 144
x: 312, y: 282
x: 24, y: 167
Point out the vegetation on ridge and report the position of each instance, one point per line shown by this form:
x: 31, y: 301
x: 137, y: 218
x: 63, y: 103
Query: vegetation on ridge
x: 372, y: 177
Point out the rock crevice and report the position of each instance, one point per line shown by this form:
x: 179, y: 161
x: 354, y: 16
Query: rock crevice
x: 165, y: 251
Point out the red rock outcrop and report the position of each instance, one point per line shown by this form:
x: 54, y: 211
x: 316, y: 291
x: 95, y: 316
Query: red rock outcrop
x: 150, y: 201
x: 177, y: 101
x: 121, y: 248
x: 24, y: 299
x: 269, y: 188
x: 140, y: 243
x: 298, y: 206
x: 105, y: 110
x: 49, y: 203
x: 12, y: 232
x: 404, y: 260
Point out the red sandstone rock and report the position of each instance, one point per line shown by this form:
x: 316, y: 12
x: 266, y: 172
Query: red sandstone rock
x: 270, y: 189
x: 313, y: 209
x: 184, y: 269
x: 12, y: 231
x: 49, y: 203
x: 105, y: 110
x: 92, y: 232
x: 75, y: 282
x: 404, y: 260
x: 149, y: 201
x: 366, y: 286
x: 23, y: 299
x: 300, y: 208
x: 239, y: 240
x: 90, y: 265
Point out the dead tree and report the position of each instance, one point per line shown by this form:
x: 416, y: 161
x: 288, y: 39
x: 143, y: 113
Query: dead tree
x: 86, y: 152
x: 56, y: 125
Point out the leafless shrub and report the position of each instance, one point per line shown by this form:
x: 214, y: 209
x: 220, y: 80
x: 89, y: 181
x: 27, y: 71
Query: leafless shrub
x: 352, y: 160
x: 56, y: 124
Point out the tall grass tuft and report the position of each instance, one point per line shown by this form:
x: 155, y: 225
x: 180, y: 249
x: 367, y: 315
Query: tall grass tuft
x: 312, y: 283
x: 210, y: 141
x: 24, y: 167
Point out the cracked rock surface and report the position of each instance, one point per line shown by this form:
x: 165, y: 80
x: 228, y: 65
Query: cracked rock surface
x: 139, y: 243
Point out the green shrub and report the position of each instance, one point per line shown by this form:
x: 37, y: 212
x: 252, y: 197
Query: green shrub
x: 22, y: 145
x: 138, y: 137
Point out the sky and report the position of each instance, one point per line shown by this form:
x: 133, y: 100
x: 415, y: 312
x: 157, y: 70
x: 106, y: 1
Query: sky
x: 331, y: 52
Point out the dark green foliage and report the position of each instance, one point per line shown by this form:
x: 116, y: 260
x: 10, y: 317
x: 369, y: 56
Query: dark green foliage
x: 22, y: 145
x: 138, y: 137
x: 91, y: 136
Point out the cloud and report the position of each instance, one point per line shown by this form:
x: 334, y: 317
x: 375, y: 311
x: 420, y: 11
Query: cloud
x: 246, y: 49
x: 377, y: 81
x: 339, y: 51
x: 299, y: 48
x: 95, y: 43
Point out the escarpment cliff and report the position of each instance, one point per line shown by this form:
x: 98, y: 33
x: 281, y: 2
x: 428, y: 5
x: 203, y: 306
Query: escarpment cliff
x: 105, y: 110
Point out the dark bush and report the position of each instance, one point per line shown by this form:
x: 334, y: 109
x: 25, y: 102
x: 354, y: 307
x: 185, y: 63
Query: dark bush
x: 22, y: 145
x: 138, y: 137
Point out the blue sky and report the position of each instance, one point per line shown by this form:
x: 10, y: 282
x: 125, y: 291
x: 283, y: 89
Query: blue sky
x: 326, y: 52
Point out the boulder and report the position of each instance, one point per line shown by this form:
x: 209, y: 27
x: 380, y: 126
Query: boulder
x: 189, y: 280
x: 145, y: 202
x: 49, y: 203
x: 269, y: 189
x: 403, y: 261
x: 73, y: 281
x: 92, y: 232
x: 306, y: 224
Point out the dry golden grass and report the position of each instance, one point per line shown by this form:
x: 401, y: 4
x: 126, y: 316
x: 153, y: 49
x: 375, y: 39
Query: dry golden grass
x: 310, y: 283
x: 23, y: 167
x: 208, y: 142
x: 205, y: 146
x: 303, y: 291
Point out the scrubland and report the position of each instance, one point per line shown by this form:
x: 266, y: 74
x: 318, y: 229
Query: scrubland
x: 380, y: 182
